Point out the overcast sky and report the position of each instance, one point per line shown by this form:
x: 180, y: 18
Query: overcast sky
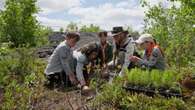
x: 104, y: 13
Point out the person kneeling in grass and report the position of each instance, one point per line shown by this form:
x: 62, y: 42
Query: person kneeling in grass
x: 123, y: 48
x: 60, y: 68
x: 84, y: 56
x: 153, y: 56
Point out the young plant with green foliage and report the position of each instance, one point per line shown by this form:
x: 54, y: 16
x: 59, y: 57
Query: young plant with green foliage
x: 20, y: 74
x: 113, y: 96
x: 154, y: 79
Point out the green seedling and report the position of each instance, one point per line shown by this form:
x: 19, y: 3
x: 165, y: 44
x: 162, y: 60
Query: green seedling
x: 156, y: 78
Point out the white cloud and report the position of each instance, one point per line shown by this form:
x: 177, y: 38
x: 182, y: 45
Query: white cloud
x: 122, y: 4
x: 128, y: 3
x: 105, y: 15
x: 109, y: 15
x: 55, y: 24
x: 2, y: 3
x: 49, y: 6
x: 164, y: 3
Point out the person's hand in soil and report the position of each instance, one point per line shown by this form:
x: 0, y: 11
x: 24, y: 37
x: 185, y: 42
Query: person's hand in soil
x: 104, y: 72
x: 87, y: 91
x: 85, y: 88
x: 73, y: 79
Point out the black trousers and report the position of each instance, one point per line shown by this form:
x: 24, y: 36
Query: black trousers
x: 58, y: 79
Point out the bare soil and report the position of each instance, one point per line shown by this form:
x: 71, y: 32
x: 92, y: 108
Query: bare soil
x: 60, y: 100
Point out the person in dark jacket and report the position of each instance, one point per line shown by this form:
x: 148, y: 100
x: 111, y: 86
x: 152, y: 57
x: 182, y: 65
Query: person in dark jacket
x: 105, y: 53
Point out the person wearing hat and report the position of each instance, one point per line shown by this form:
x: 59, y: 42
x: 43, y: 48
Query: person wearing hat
x: 60, y: 68
x: 153, y: 55
x: 123, y: 48
x: 105, y: 53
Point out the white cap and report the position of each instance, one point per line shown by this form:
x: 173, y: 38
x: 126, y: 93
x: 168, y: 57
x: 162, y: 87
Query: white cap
x: 145, y: 37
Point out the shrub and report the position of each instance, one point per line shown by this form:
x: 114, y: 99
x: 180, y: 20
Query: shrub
x: 20, y: 74
x: 110, y: 95
x: 143, y: 102
x: 16, y: 96
x: 17, y: 63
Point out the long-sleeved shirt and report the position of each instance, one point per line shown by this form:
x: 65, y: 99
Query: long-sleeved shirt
x: 155, y: 61
x: 105, y: 53
x: 124, y: 53
x: 81, y: 60
x: 61, y: 60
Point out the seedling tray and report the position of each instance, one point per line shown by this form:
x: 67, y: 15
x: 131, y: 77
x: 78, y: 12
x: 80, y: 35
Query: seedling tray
x: 151, y: 91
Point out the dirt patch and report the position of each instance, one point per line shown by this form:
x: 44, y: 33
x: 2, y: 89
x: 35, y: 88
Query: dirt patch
x: 60, y: 100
